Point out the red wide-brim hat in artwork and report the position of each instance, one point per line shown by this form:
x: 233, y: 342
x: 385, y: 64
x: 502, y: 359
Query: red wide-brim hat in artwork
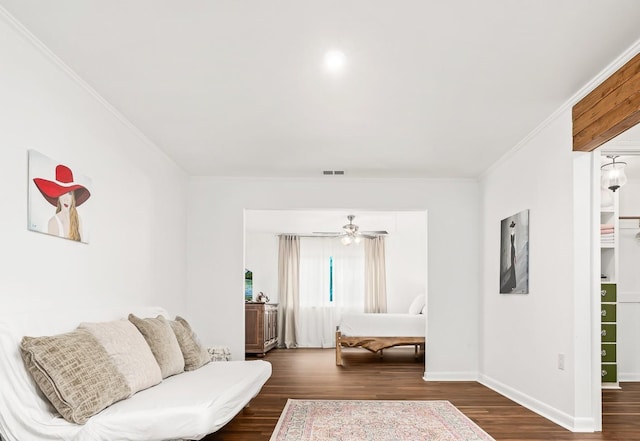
x: 52, y: 190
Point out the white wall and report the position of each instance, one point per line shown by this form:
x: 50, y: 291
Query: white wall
x: 523, y: 335
x: 137, y: 251
x: 216, y: 208
x: 406, y: 257
x: 406, y: 261
x: 629, y: 284
x: 261, y: 257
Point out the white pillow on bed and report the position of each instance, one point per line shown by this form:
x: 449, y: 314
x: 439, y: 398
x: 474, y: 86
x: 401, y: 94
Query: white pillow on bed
x: 416, y: 306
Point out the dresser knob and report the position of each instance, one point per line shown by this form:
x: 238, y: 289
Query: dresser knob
x: 603, y: 353
x: 603, y: 292
x: 603, y: 332
x: 603, y: 313
x: 604, y: 372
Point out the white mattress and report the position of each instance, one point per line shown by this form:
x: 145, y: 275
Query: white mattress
x: 383, y: 325
x: 185, y: 406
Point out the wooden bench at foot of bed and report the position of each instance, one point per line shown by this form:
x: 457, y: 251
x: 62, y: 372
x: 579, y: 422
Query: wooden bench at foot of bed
x: 374, y: 344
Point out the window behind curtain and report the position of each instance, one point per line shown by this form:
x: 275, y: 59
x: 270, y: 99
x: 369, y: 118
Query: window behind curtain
x: 331, y: 282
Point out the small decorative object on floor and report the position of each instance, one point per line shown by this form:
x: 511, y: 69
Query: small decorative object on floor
x: 219, y: 353
x: 368, y: 420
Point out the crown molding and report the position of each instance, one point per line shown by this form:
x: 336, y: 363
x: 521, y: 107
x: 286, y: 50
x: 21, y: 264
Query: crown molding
x: 624, y: 147
x: 52, y: 57
x: 620, y: 61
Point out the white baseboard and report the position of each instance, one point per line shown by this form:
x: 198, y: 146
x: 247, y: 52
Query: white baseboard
x: 622, y: 377
x: 557, y: 416
x: 450, y: 376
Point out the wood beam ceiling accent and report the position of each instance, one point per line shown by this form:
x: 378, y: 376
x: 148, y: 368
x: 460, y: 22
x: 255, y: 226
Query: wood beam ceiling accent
x: 610, y: 109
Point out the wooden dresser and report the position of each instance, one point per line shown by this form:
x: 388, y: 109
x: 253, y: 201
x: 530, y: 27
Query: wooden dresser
x: 260, y: 327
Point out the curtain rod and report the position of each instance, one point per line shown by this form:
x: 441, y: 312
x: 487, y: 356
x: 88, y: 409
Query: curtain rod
x: 330, y: 237
x: 304, y: 235
x: 629, y: 217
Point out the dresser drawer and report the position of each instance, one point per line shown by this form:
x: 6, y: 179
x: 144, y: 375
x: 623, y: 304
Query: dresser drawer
x: 608, y: 292
x: 609, y: 373
x: 608, y: 312
x: 608, y: 353
x: 608, y: 332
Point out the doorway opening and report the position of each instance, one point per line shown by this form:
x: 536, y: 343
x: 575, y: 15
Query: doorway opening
x: 618, y: 212
x: 405, y: 243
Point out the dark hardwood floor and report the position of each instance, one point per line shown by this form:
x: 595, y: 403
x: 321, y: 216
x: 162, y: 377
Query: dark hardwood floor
x: 312, y: 374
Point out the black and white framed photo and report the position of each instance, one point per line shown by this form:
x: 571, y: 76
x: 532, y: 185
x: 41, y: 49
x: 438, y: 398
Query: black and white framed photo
x: 514, y: 254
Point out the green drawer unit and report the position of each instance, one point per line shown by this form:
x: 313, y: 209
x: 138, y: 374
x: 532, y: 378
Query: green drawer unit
x: 608, y: 332
x: 609, y: 373
x: 608, y: 312
x: 608, y: 293
x: 608, y: 353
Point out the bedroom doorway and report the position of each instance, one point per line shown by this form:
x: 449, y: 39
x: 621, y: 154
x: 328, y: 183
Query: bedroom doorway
x: 406, y: 247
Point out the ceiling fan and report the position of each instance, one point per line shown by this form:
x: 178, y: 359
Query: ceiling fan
x: 351, y: 233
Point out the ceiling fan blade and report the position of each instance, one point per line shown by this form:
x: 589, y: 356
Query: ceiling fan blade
x: 351, y: 230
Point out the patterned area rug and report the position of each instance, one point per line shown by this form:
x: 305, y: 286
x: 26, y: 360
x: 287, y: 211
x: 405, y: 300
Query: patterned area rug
x: 357, y: 420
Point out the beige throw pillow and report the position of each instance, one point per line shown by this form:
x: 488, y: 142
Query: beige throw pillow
x: 162, y: 341
x: 75, y: 373
x: 129, y: 351
x: 195, y: 356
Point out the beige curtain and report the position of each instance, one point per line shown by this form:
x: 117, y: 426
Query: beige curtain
x: 375, y: 275
x: 288, y: 290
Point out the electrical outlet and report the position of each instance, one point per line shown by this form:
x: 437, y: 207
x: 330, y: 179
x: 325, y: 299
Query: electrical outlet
x: 561, y: 362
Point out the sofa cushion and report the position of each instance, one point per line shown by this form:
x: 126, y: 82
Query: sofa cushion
x: 195, y: 356
x: 163, y: 343
x: 187, y: 406
x: 129, y: 351
x: 75, y: 373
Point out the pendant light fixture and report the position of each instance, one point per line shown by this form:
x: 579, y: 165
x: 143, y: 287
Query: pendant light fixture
x: 612, y: 174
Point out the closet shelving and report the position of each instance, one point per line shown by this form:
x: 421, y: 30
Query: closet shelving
x: 609, y: 222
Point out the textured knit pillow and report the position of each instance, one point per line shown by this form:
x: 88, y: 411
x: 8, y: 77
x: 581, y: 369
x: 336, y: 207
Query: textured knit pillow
x: 162, y: 341
x: 195, y: 356
x: 75, y: 373
x: 129, y: 351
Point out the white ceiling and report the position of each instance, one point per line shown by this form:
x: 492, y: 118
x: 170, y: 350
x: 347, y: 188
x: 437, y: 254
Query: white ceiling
x: 431, y: 88
x: 627, y: 146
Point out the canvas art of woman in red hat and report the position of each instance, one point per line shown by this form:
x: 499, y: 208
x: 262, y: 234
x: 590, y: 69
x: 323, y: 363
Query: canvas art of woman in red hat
x: 64, y: 194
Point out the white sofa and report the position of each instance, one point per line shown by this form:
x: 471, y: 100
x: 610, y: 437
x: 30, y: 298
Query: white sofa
x: 189, y: 405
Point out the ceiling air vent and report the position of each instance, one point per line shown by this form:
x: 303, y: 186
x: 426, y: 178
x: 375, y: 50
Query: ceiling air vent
x: 333, y: 172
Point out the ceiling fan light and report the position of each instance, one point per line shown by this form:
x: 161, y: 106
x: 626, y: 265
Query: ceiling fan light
x: 346, y: 240
x: 357, y: 239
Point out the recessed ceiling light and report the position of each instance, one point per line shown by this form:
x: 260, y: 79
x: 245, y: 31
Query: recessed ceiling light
x: 334, y: 60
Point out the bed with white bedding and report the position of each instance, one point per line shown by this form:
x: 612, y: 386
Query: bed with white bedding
x: 376, y: 332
